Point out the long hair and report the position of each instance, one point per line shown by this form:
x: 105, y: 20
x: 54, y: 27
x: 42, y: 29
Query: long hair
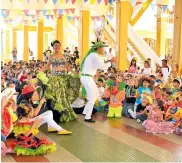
x: 134, y: 64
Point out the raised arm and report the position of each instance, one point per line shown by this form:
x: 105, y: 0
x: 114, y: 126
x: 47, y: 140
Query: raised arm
x: 99, y: 63
x: 47, y: 66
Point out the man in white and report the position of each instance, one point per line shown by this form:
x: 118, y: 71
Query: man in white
x: 89, y: 66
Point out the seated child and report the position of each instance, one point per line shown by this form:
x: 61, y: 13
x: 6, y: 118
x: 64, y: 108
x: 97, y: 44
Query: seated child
x: 176, y: 86
x: 25, y: 130
x: 131, y: 90
x: 174, y: 113
x: 155, y: 124
x: 140, y: 115
x: 116, y: 91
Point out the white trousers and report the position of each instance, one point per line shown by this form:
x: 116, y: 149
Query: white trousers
x: 92, y: 95
x: 48, y: 118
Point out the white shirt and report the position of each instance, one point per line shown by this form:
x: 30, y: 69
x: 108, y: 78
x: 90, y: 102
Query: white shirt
x: 110, y: 55
x: 78, y: 103
x: 94, y: 62
x: 101, y: 92
x: 147, y: 71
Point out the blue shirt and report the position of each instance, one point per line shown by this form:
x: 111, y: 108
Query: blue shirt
x: 142, y: 90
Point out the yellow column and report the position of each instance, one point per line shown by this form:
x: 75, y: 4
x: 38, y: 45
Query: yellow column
x: 177, y: 40
x: 14, y: 39
x: 7, y: 55
x: 84, y: 33
x: 40, y: 40
x: 162, y: 21
x: 123, y: 16
x: 46, y: 41
x: 65, y: 33
x: 59, y: 29
x: 26, y: 48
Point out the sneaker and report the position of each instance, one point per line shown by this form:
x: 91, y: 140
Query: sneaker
x: 138, y: 120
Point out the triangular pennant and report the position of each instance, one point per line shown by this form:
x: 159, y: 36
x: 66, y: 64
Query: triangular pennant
x: 49, y: 12
x: 77, y: 18
x: 60, y: 11
x: 37, y: 12
x: 44, y: 12
x: 61, y: 1
x: 92, y: 2
x: 153, y: 6
x: 73, y: 1
x: 34, y: 21
x: 66, y: 10
x: 52, y: 17
x: 98, y: 18
x: 25, y: 12
x: 69, y: 18
x: 19, y: 11
x: 7, y: 12
x: 164, y: 8
x: 2, y: 12
x: 47, y: 16
x: 99, y: 1
x: 54, y: 1
x: 5, y: 15
x: 67, y: 1
x: 106, y: 2
x: 79, y: 1
x: 33, y: 16
x: 72, y: 10
x: 55, y: 11
x: 111, y: 1
x: 45, y: 1
x: 110, y: 17
x: 28, y: 1
x: 133, y: 3
x: 25, y: 21
x: 85, y: 1
x: 160, y: 6
x: 138, y: 3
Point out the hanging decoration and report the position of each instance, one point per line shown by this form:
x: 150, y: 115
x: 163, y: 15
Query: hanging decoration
x: 54, y: 1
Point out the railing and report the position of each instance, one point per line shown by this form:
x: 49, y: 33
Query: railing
x: 136, y: 40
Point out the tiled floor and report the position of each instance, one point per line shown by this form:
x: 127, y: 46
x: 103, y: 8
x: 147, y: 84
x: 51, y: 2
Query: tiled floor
x: 107, y: 140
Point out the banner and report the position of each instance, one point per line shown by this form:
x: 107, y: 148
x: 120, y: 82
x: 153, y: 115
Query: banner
x: 45, y: 1
x: 72, y: 10
x: 164, y: 8
x: 44, y: 12
x: 60, y: 11
x: 73, y: 1
x: 55, y: 11
x: 99, y: 1
x: 54, y: 1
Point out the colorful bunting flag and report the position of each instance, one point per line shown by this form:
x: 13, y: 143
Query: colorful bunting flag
x: 99, y: 1
x: 55, y: 11
x: 25, y: 21
x: 34, y: 21
x: 52, y: 17
x: 92, y: 2
x: 110, y: 17
x: 44, y: 12
x: 45, y: 1
x: 153, y: 6
x: 67, y: 1
x: 47, y: 16
x: 72, y: 10
x: 37, y: 12
x: 106, y: 2
x: 25, y: 12
x: 49, y: 12
x: 33, y: 16
x: 73, y: 1
x: 7, y: 12
x: 66, y: 10
x: 111, y: 1
x: 69, y: 18
x: 85, y: 1
x: 28, y: 1
x: 61, y: 1
x: 138, y: 3
x: 160, y: 6
x: 54, y: 1
x: 133, y: 3
x: 164, y: 8
x: 60, y: 11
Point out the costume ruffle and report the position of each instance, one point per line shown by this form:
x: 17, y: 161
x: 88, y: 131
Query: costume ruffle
x: 32, y: 145
x: 23, y: 128
x: 63, y: 91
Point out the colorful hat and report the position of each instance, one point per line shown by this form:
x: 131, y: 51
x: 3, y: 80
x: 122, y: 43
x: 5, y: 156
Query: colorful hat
x: 149, y: 99
x: 146, y: 79
x: 28, y: 89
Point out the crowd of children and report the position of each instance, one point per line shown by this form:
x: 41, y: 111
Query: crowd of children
x: 153, y: 101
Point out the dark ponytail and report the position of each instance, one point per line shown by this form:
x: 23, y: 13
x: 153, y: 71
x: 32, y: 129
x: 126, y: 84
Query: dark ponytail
x: 54, y: 42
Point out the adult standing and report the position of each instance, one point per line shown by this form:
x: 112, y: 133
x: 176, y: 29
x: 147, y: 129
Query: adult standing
x: 63, y: 89
x: 89, y: 66
x: 14, y: 52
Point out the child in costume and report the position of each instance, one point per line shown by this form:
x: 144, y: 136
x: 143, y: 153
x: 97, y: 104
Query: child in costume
x: 116, y: 91
x: 154, y: 124
x: 174, y: 113
x: 26, y: 130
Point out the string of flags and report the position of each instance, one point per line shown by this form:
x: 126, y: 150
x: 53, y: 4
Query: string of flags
x: 67, y: 1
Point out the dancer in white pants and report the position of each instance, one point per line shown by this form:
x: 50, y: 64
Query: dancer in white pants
x: 89, y: 66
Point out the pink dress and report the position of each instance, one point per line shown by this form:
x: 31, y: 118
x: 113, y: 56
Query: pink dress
x: 155, y: 126
x: 132, y: 69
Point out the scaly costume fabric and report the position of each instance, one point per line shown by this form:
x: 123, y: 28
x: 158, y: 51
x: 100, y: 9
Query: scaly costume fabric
x: 116, y: 92
x: 30, y: 145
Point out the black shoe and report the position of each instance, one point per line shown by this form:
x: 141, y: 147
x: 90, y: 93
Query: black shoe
x: 90, y: 120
